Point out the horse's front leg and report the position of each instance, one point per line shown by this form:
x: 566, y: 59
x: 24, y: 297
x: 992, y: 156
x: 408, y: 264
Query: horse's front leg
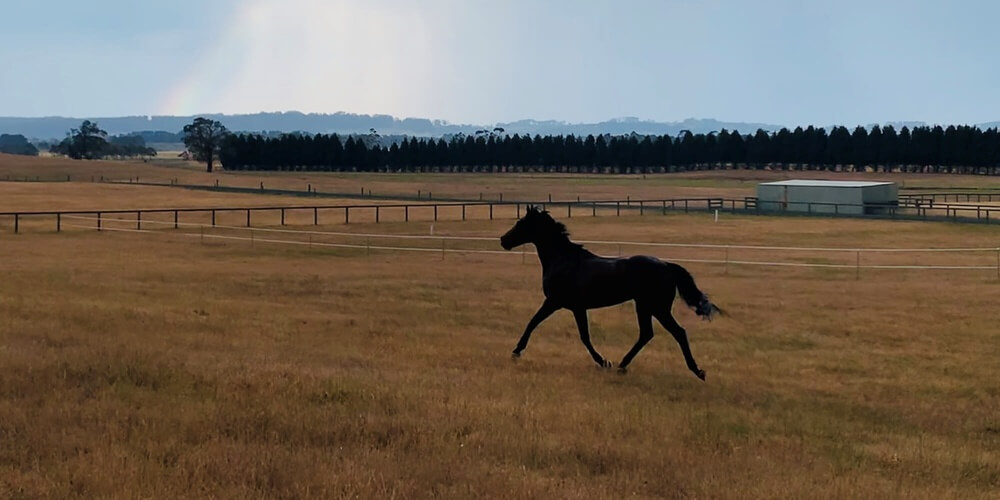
x: 584, y: 326
x: 544, y: 312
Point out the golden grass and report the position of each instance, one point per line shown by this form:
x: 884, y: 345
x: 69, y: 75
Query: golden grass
x: 139, y: 365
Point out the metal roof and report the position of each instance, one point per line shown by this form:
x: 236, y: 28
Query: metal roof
x: 818, y: 183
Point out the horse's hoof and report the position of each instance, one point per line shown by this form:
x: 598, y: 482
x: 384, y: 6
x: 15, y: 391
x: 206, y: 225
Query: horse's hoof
x: 515, y: 355
x: 700, y: 374
x: 606, y: 364
x: 622, y: 370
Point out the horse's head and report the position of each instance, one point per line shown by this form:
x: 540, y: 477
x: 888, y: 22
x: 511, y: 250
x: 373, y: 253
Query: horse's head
x: 535, y: 224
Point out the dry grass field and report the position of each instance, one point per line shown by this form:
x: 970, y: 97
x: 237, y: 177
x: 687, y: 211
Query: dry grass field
x: 152, y: 365
x: 166, y: 365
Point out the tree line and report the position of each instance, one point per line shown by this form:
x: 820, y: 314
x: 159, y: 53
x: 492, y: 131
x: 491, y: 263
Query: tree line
x: 16, y: 144
x: 202, y: 137
x: 90, y: 142
x: 963, y: 148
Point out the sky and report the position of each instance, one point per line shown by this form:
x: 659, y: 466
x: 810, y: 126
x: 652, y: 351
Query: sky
x: 784, y: 62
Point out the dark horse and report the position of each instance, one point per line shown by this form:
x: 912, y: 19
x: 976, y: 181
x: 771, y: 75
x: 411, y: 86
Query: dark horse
x: 574, y: 278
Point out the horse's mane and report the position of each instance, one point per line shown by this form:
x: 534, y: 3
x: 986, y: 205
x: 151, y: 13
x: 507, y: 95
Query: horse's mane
x: 559, y: 230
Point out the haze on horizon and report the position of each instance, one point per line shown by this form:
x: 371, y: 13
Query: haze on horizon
x: 771, y: 61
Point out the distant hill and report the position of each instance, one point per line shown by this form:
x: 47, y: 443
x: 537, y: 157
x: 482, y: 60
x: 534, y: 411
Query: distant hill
x: 47, y: 128
x: 347, y: 123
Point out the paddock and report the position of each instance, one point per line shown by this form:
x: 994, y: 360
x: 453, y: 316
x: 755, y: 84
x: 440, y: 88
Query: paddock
x: 171, y: 364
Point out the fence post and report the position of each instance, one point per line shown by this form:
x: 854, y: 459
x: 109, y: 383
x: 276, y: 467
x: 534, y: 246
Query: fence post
x: 491, y: 211
x: 642, y: 207
x: 998, y: 263
x: 175, y: 219
x: 315, y: 216
x: 618, y: 208
x: 347, y: 215
x: 569, y: 210
x: 98, y: 221
x: 248, y: 217
x: 435, y: 213
x: 664, y: 207
x: 58, y: 222
x: 463, y: 207
x: 213, y: 218
x: 282, y: 216
x: 17, y: 222
x: 518, y: 210
x: 593, y: 209
x: 857, y: 266
x: 685, y: 205
x: 376, y: 214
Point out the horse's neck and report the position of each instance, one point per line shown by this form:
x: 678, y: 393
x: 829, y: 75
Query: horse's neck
x: 552, y: 252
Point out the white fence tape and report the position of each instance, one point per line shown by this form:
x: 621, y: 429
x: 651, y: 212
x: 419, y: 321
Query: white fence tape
x: 443, y: 250
x: 589, y: 242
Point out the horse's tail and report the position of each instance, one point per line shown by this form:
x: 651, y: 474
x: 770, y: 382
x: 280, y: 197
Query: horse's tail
x: 692, y: 296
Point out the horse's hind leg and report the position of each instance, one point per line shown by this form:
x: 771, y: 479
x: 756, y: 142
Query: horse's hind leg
x: 667, y: 320
x: 584, y: 326
x: 645, y: 335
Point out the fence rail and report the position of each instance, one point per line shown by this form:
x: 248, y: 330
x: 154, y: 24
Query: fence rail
x: 957, y: 196
x: 908, y: 209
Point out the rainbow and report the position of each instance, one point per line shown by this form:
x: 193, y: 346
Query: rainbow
x: 212, y: 72
x: 310, y: 55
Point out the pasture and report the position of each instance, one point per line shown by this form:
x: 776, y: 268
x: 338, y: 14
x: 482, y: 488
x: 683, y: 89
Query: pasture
x: 158, y: 365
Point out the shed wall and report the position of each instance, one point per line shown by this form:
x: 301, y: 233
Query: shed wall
x: 815, y: 199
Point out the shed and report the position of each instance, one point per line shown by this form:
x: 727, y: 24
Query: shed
x: 817, y: 196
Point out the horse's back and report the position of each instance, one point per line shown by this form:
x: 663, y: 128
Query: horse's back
x: 649, y: 277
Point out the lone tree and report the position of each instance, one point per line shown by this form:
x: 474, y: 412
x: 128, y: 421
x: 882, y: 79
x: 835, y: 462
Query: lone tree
x: 85, y: 143
x: 203, y: 139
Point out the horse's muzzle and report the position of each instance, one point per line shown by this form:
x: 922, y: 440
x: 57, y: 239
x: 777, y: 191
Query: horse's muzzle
x: 505, y: 243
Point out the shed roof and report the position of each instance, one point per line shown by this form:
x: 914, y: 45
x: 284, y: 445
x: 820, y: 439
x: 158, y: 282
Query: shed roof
x: 819, y: 183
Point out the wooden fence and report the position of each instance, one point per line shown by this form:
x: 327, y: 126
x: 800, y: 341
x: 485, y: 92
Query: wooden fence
x: 907, y: 209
